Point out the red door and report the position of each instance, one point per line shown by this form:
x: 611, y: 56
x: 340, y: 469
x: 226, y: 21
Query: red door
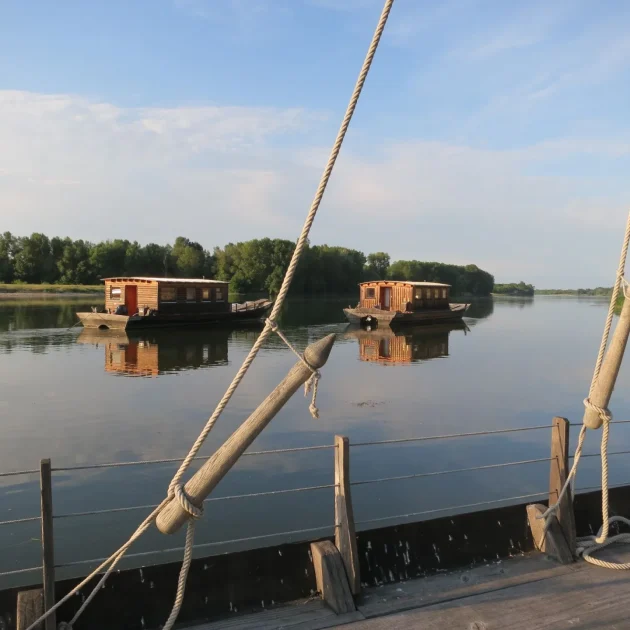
x: 131, y: 299
x: 386, y: 298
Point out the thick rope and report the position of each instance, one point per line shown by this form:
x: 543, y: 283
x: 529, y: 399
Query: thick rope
x: 315, y: 375
x: 175, y: 486
x: 591, y: 544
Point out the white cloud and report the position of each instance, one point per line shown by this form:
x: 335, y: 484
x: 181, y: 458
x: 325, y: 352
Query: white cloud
x: 217, y: 174
x: 64, y: 159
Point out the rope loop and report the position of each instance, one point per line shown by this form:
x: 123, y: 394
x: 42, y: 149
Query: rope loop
x: 272, y: 324
x: 185, y: 502
x: 64, y: 625
x: 604, y: 413
x: 312, y: 383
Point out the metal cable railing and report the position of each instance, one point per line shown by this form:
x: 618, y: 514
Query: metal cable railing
x: 289, y: 491
x: 177, y: 460
x: 450, y: 508
x: 450, y: 472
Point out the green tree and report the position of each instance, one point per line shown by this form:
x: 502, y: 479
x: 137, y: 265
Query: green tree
x: 109, y: 257
x: 34, y: 260
x: 8, y: 249
x: 378, y: 265
x: 74, y: 264
x: 188, y: 258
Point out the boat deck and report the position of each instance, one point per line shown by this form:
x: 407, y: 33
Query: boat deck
x: 526, y: 592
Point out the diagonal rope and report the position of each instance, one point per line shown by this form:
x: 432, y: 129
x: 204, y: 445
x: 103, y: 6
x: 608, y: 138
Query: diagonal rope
x: 590, y: 544
x: 175, y: 488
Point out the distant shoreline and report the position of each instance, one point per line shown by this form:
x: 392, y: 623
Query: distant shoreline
x: 48, y: 294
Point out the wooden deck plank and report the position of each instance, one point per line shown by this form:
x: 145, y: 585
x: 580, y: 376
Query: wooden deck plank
x: 585, y: 598
x: 525, y: 593
x: 300, y: 615
x: 402, y: 596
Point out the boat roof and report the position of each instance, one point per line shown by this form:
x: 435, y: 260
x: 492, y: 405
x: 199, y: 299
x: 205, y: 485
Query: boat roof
x: 413, y: 283
x: 169, y: 280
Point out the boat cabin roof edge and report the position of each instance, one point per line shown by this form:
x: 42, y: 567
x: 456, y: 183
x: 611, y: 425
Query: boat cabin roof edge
x: 164, y: 280
x: 412, y: 283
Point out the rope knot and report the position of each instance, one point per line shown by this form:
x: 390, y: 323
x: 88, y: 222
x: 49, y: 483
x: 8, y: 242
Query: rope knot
x: 64, y: 626
x: 185, y: 502
x: 604, y: 413
x: 272, y: 324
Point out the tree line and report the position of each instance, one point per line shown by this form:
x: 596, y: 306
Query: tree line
x: 514, y: 288
x: 251, y: 266
x: 601, y: 291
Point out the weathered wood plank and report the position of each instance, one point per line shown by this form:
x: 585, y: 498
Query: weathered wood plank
x: 552, y: 542
x: 48, y: 542
x: 431, y: 590
x: 30, y: 607
x: 345, y: 534
x: 331, y: 578
x: 558, y: 472
x: 300, y: 615
x: 584, y: 598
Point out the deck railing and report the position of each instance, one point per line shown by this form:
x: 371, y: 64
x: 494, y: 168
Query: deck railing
x: 343, y: 526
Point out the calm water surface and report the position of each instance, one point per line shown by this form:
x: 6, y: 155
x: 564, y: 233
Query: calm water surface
x: 82, y: 398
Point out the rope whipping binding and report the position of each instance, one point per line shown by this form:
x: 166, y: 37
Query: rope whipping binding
x: 175, y: 489
x: 588, y: 545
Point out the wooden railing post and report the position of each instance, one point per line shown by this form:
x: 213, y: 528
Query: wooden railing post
x: 558, y: 472
x: 48, y: 549
x: 345, y: 535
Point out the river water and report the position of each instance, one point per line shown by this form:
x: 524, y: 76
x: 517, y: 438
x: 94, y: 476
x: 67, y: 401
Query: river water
x: 81, y: 398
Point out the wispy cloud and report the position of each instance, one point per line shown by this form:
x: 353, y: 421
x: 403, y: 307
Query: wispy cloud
x: 224, y: 173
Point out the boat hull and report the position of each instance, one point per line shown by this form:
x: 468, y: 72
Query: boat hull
x: 370, y: 316
x: 240, y: 315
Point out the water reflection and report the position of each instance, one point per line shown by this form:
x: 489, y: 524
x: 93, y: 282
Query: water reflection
x: 150, y: 353
x: 406, y: 345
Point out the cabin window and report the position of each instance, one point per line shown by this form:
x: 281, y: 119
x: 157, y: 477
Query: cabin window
x: 443, y: 294
x: 418, y: 295
x: 168, y: 294
x: 191, y: 294
x: 437, y: 294
x: 220, y: 296
x: 115, y: 293
x: 205, y: 295
x: 370, y: 294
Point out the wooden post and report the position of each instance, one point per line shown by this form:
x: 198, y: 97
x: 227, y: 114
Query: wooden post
x: 345, y: 535
x: 48, y: 548
x: 552, y: 541
x: 558, y: 472
x: 610, y: 368
x: 173, y: 516
x: 30, y: 607
x: 331, y: 577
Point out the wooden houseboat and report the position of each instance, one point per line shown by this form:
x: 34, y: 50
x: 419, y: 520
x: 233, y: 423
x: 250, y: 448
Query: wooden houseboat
x: 146, y: 302
x: 404, y: 302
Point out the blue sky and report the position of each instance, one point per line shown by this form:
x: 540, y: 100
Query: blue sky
x: 488, y: 132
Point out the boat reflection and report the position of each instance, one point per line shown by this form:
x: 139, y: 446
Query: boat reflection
x: 404, y: 345
x: 151, y: 353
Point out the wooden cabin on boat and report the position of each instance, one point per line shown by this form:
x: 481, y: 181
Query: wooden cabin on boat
x: 167, y: 295
x: 139, y: 302
x: 404, y: 296
x: 404, y: 301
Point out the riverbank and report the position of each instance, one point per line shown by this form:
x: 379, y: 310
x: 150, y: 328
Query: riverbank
x: 42, y: 290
